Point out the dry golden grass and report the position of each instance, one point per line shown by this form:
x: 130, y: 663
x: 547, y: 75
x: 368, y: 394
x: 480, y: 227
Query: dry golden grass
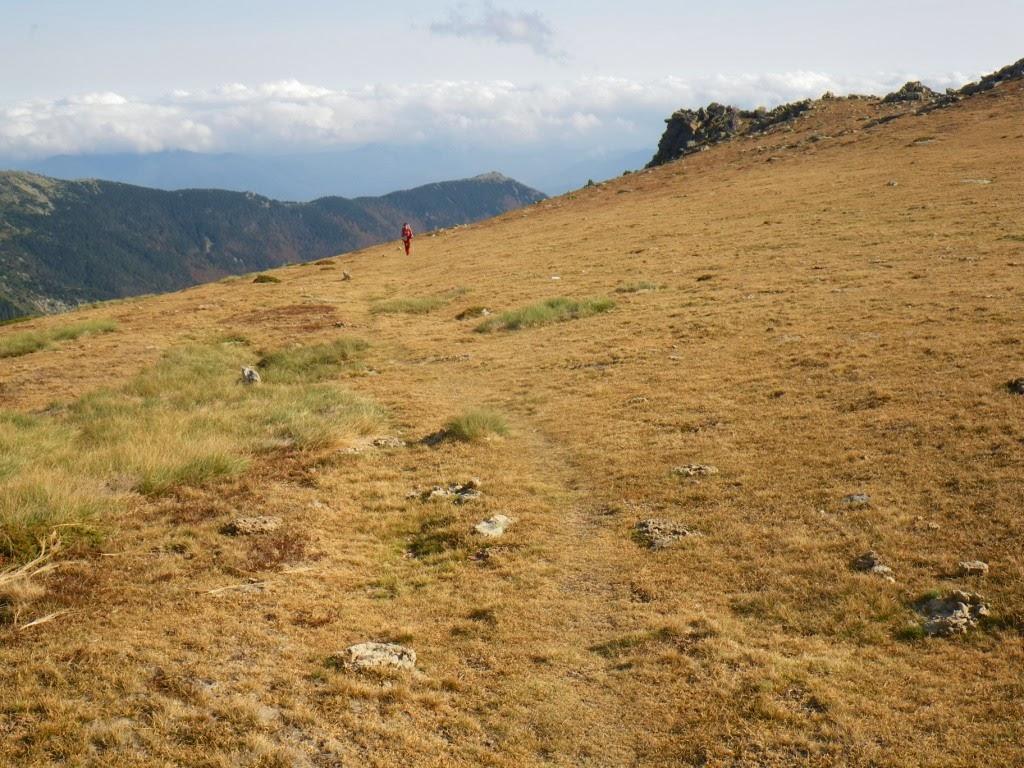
x: 816, y: 333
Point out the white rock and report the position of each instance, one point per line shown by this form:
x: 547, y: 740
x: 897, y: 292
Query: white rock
x: 370, y: 655
x: 493, y: 526
x: 250, y: 376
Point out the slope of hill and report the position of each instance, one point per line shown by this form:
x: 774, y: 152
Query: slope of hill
x: 62, y: 243
x: 828, y: 315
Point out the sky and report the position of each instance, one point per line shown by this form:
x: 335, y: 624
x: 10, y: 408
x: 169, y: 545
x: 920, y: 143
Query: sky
x: 274, y: 77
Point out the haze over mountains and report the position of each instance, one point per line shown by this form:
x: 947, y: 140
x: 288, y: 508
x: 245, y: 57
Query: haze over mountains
x: 63, y: 243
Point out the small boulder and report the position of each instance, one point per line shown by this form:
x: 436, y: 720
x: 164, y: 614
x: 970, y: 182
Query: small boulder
x: 251, y: 376
x: 493, y: 527
x: 870, y: 562
x: 251, y: 526
x: 1016, y: 386
x: 375, y: 655
x: 345, y: 276
x: 695, y: 470
x: 953, y: 614
x: 658, y: 534
x: 459, y: 493
x: 973, y: 568
x: 389, y: 442
x: 856, y: 500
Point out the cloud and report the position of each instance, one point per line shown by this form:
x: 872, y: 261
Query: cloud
x: 287, y: 115
x: 527, y: 28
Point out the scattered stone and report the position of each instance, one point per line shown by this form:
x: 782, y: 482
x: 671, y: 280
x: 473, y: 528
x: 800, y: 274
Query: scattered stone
x: 658, y: 534
x: 460, y: 493
x: 345, y: 276
x: 375, y: 655
x: 894, y: 183
x: 251, y: 376
x: 973, y: 568
x: 251, y: 526
x: 954, y: 614
x: 695, y: 470
x: 493, y: 527
x: 982, y: 182
x: 927, y: 525
x: 870, y: 562
x: 473, y: 312
x: 389, y: 442
x: 856, y: 500
x: 1016, y: 386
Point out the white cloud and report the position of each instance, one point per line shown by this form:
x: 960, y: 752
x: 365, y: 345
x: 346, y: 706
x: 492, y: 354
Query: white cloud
x: 527, y: 28
x: 289, y: 115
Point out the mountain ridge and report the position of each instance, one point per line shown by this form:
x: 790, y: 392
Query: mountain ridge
x: 64, y: 243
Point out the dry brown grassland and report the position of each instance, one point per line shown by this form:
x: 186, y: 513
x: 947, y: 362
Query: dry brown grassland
x: 781, y: 311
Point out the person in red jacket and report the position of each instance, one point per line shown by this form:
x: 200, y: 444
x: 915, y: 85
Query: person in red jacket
x: 407, y: 237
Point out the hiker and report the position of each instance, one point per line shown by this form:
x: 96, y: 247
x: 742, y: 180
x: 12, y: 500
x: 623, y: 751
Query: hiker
x: 407, y: 237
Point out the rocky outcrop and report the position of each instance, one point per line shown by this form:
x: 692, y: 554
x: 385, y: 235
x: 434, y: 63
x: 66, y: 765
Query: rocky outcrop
x: 911, y: 91
x: 690, y: 131
x: 1013, y: 71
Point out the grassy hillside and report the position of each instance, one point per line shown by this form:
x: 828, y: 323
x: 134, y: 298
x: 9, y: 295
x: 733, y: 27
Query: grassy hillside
x: 63, y: 243
x: 827, y: 315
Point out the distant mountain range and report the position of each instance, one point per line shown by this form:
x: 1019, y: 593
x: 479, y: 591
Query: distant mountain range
x: 368, y: 170
x: 67, y: 242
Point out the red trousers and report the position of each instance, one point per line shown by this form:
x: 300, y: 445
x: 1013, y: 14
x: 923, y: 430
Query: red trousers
x: 408, y: 245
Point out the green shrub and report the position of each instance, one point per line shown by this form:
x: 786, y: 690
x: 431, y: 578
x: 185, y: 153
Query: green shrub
x: 477, y: 424
x: 546, y: 312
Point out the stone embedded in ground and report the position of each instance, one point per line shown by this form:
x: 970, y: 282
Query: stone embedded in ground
x: 493, y: 526
x: 250, y: 376
x: 870, y: 562
x: 856, y: 500
x: 695, y: 470
x: 389, y: 442
x: 376, y: 655
x: 345, y: 276
x: 973, y: 568
x: 1016, y: 386
x: 251, y: 526
x: 953, y: 614
x: 657, y: 534
x: 460, y: 493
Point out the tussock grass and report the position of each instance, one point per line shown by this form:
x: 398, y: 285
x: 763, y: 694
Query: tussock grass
x: 416, y: 306
x: 546, y: 312
x: 266, y: 279
x: 186, y: 421
x: 312, y: 363
x: 27, y: 342
x: 420, y: 306
x: 475, y: 425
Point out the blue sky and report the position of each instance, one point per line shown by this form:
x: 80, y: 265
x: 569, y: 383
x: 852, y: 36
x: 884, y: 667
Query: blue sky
x: 111, y: 75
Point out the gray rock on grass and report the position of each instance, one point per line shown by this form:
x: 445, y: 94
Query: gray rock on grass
x: 493, y: 527
x: 973, y: 568
x: 695, y: 470
x: 252, y: 526
x: 954, y: 614
x: 376, y: 656
x: 658, y: 534
x: 871, y: 563
x: 251, y: 376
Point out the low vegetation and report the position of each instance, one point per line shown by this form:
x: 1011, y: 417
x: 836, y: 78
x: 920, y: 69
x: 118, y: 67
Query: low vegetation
x: 475, y: 425
x: 27, y: 342
x: 639, y: 287
x: 186, y: 421
x: 546, y: 312
x: 420, y: 306
x: 266, y: 279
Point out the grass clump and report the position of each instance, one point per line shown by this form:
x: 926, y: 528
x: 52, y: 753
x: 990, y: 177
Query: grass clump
x: 313, y: 363
x: 420, y: 306
x: 27, y: 342
x: 640, y: 287
x: 546, y: 312
x: 266, y: 279
x: 185, y: 421
x: 475, y: 425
